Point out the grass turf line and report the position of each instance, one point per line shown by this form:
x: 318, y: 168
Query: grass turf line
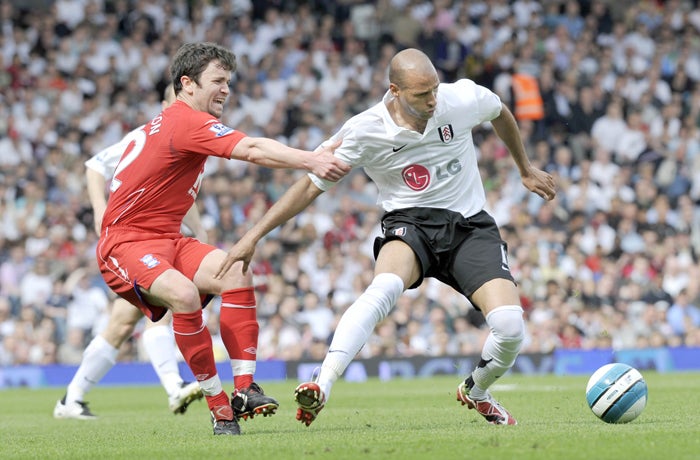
x: 407, y: 419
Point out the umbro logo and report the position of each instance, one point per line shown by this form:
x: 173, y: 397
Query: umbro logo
x: 396, y: 149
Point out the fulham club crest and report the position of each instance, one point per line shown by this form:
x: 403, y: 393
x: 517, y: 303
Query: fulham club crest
x: 446, y: 133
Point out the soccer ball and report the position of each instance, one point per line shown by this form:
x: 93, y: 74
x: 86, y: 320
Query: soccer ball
x: 616, y: 393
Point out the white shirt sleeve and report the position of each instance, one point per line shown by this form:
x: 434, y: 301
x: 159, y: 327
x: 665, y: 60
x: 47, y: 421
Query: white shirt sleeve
x: 348, y: 152
x: 487, y: 102
x: 105, y: 161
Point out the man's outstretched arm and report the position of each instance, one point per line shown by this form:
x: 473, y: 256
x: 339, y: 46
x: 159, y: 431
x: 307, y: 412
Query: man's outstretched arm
x: 296, y: 199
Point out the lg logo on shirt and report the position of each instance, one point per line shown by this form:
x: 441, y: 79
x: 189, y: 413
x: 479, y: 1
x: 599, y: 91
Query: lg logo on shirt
x: 417, y: 177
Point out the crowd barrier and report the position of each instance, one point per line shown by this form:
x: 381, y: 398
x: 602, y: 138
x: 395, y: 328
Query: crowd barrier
x: 561, y: 362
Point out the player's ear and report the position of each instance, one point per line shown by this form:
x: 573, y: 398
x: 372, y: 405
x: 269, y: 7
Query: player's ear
x: 394, y: 89
x: 187, y: 83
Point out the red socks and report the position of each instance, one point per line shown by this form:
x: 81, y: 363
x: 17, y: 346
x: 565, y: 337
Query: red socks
x: 239, y: 329
x: 194, y: 341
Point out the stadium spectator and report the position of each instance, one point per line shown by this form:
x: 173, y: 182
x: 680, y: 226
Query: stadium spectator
x: 632, y: 141
x: 280, y: 339
x: 682, y: 315
x: 317, y: 316
x: 12, y: 272
x: 14, y: 149
x: 36, y: 286
x: 607, y: 128
x: 71, y: 351
x: 87, y: 305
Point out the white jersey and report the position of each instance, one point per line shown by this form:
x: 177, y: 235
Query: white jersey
x: 105, y: 161
x: 437, y: 168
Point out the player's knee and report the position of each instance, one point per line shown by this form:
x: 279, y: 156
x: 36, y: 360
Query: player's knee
x: 386, y: 289
x: 117, y: 332
x: 232, y: 280
x: 185, y: 299
x: 122, y: 323
x: 507, y: 323
x: 514, y: 331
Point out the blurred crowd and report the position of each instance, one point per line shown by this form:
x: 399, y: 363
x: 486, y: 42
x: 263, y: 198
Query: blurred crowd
x: 611, y: 262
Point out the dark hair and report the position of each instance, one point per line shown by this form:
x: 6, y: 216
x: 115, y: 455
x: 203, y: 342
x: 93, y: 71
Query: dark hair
x: 192, y: 58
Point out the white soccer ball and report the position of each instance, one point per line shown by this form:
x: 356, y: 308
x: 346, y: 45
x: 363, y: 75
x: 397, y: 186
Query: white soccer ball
x: 616, y: 393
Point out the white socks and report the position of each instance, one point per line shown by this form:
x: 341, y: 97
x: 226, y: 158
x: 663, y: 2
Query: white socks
x: 159, y: 344
x: 356, y: 326
x: 500, y: 349
x: 243, y: 367
x: 211, y: 386
x: 98, y: 358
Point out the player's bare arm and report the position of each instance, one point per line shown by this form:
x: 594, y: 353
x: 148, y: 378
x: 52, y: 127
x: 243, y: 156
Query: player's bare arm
x: 273, y: 154
x: 534, y: 179
x: 294, y: 200
x: 96, y: 192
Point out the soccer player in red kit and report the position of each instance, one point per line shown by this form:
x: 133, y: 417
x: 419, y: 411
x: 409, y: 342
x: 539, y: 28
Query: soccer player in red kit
x: 145, y: 259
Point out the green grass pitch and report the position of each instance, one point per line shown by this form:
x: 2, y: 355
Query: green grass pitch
x: 406, y: 419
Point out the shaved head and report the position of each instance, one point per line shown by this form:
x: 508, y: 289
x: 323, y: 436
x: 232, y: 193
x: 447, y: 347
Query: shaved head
x: 410, y: 65
x: 413, y: 83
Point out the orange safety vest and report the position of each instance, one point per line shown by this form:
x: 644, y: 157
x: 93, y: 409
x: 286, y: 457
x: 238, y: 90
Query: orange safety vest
x: 528, y: 100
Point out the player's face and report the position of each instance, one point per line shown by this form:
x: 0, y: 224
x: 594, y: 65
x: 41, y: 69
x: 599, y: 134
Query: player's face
x: 213, y: 90
x: 419, y: 97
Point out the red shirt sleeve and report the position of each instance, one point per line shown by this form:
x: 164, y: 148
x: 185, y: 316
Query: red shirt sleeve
x: 205, y: 135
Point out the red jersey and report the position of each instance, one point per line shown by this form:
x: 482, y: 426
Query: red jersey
x: 159, y: 175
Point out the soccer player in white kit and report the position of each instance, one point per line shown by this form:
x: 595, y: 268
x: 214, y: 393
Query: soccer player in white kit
x: 416, y: 145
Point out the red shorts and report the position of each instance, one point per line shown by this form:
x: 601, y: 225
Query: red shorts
x: 129, y: 260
